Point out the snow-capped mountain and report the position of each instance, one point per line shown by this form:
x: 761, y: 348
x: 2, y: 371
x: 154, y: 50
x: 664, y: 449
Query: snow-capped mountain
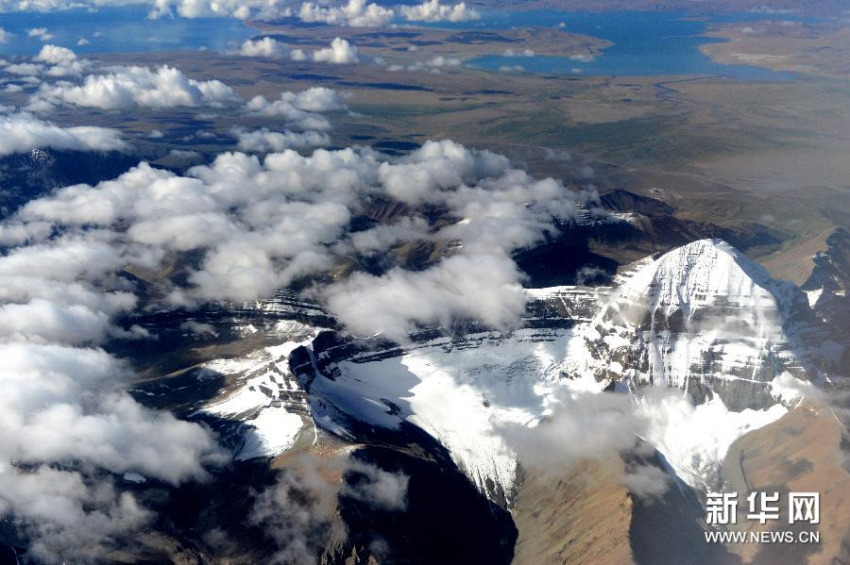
x: 703, y: 318
x: 703, y: 324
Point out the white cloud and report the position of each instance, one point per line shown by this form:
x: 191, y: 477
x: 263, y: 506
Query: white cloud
x: 646, y: 481
x: 25, y: 69
x: 340, y: 52
x: 61, y: 61
x: 266, y: 141
x: 353, y: 13
x: 126, y: 87
x: 254, y: 226
x: 198, y: 328
x: 356, y: 13
x: 583, y: 425
x: 433, y: 65
x: 376, y: 487
x: 264, y: 224
x: 56, y: 55
x: 22, y: 132
x: 524, y: 53
x: 241, y: 9
x: 296, y: 513
x: 302, y: 110
x: 439, y: 61
x: 44, y: 321
x: 41, y: 33
x: 393, y: 304
x: 65, y: 518
x: 434, y: 11
x: 582, y: 57
x: 422, y: 175
x: 382, y: 237
x: 64, y: 410
x: 265, y: 47
x: 791, y: 390
x: 5, y: 36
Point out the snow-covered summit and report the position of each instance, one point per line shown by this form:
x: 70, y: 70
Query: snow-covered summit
x: 703, y: 318
x: 705, y: 274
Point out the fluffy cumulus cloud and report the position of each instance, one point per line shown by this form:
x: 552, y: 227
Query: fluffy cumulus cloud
x: 302, y: 110
x: 433, y: 65
x: 340, y: 52
x: 127, y: 87
x: 5, y: 36
x: 265, y: 47
x: 512, y: 53
x: 251, y: 226
x: 22, y: 132
x: 61, y: 61
x: 51, y: 61
x: 434, y: 11
x: 299, y: 513
x: 86, y: 84
x: 395, y: 303
x: 241, y: 9
x: 646, y: 481
x: 56, y: 55
x: 356, y: 13
x: 263, y: 224
x: 353, y: 13
x: 64, y: 409
x: 265, y: 141
x: 56, y: 504
x: 41, y: 33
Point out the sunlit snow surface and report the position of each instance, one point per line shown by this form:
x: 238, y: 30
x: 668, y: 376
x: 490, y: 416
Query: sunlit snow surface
x: 695, y: 439
x: 269, y: 401
x: 464, y: 393
x: 702, y: 306
x: 459, y: 395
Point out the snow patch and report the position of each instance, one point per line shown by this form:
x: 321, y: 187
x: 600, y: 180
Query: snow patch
x: 460, y: 394
x: 813, y: 296
x: 273, y: 431
x: 696, y: 439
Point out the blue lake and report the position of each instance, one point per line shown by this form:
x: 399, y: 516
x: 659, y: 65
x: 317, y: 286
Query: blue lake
x: 644, y: 43
x: 119, y: 30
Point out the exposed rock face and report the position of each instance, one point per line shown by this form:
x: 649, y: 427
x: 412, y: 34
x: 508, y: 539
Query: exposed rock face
x: 701, y: 337
x: 702, y: 318
x: 827, y: 289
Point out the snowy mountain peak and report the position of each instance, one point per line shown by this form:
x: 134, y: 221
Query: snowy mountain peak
x: 703, y: 318
x: 703, y: 274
